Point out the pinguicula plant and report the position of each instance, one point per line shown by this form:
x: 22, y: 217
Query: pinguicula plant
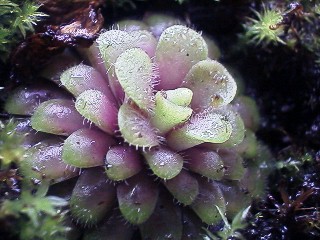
x: 145, y: 118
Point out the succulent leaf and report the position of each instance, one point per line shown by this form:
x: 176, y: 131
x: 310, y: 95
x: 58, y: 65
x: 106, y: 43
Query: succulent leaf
x: 179, y: 48
x: 90, y: 210
x: 57, y: 116
x: 111, y: 44
x: 233, y: 162
x: 238, y: 128
x: 248, y: 148
x: 80, y: 78
x: 184, y: 187
x: 86, y: 148
x: 134, y: 72
x: 164, y: 163
x: 159, y: 22
x: 167, y: 113
x: 205, y: 162
x: 180, y: 96
x: 98, y: 108
x: 211, y: 84
x: 248, y: 110
x: 92, y: 55
x: 209, y: 197
x: 43, y: 162
x: 122, y: 162
x: 236, y: 197
x: 136, y: 128
x: 144, y: 40
x: 25, y: 99
x: 137, y: 198
x: 206, y: 126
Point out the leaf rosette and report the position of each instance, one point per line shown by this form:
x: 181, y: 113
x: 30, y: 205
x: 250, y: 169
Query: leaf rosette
x: 156, y: 107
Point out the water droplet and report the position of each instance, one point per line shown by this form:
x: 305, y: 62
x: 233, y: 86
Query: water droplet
x: 168, y: 236
x: 35, y: 181
x: 109, y: 166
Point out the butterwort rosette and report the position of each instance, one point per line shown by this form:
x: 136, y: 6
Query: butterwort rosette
x: 147, y: 116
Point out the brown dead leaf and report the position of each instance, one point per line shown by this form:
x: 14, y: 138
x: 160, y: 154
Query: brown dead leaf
x: 70, y: 23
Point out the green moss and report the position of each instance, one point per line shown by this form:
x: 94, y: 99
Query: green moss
x: 17, y: 18
x: 11, y: 150
x: 35, y: 216
x: 263, y: 28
